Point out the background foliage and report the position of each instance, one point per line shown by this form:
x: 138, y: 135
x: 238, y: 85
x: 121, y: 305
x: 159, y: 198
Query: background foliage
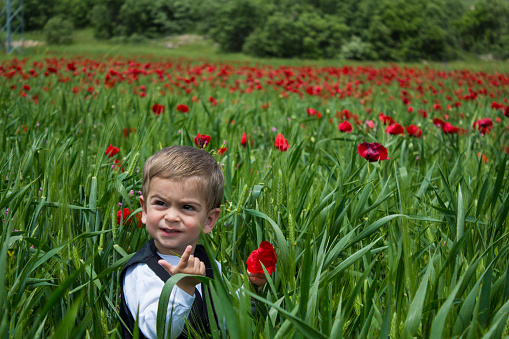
x: 370, y: 29
x: 414, y: 246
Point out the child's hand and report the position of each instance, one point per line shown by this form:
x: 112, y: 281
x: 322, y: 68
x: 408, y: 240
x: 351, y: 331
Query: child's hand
x: 258, y: 279
x: 188, y: 264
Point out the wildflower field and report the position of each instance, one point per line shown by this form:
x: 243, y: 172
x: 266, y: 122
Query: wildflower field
x: 384, y: 191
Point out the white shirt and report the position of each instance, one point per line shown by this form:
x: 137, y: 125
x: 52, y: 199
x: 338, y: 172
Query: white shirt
x: 142, y: 289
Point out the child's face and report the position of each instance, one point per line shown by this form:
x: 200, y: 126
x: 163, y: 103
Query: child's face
x: 173, y: 212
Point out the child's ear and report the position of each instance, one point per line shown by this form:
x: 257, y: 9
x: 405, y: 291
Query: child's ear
x: 143, y: 210
x: 211, y: 220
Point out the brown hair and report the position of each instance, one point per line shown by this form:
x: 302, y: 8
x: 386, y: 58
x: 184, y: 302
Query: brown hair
x: 183, y: 162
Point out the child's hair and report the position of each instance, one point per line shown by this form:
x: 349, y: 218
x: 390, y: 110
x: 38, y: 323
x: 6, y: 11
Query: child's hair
x: 183, y: 162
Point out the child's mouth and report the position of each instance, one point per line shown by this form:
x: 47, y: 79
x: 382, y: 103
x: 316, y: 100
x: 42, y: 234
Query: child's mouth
x: 169, y: 232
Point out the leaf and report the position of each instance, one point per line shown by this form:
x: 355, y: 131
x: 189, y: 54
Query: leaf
x: 415, y: 310
x: 300, y: 325
x: 350, y: 260
x: 437, y: 327
x: 373, y: 228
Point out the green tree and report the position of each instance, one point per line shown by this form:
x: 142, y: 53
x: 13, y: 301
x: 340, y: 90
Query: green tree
x: 58, y: 30
x: 379, y: 36
x: 152, y: 18
x: 74, y: 10
x: 485, y: 26
x: 104, y: 18
x: 279, y: 37
x: 299, y: 32
x: 235, y: 21
x: 37, y: 13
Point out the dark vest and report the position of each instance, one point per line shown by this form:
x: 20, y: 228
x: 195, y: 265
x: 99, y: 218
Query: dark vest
x: 198, y: 317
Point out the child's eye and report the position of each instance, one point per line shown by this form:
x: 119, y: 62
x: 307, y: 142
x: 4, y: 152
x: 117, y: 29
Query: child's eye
x: 160, y: 203
x: 188, y: 207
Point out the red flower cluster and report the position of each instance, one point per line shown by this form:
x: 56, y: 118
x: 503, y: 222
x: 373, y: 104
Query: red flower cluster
x: 313, y: 112
x: 281, y: 143
x: 414, y: 131
x: 345, y: 127
x: 483, y: 125
x: 448, y: 128
x: 385, y: 119
x: 372, y: 151
x: 243, y: 140
x: 395, y: 129
x: 128, y: 220
x: 126, y: 212
x: 158, y: 109
x: 182, y: 108
x: 202, y: 140
x: 111, y: 151
x: 265, y: 255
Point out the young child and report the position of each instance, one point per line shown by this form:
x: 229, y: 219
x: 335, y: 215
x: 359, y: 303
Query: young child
x: 182, y: 192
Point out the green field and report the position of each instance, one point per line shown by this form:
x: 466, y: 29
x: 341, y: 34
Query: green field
x: 414, y: 246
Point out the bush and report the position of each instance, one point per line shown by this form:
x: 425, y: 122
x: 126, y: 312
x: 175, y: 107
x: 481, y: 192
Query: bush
x: 58, y: 30
x: 306, y: 35
x: 105, y: 19
x: 234, y: 23
x: 279, y: 37
x: 356, y: 49
x: 153, y: 18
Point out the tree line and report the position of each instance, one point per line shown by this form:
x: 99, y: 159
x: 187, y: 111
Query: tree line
x: 399, y: 30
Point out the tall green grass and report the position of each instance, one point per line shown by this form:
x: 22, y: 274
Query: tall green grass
x: 411, y: 247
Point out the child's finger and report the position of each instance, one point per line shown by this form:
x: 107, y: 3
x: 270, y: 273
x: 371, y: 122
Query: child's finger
x: 166, y: 265
x: 202, y: 268
x: 185, y: 256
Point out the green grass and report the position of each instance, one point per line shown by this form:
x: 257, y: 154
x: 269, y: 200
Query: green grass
x: 84, y: 43
x: 414, y: 246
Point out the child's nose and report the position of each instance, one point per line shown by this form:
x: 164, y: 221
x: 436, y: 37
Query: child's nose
x: 172, y: 215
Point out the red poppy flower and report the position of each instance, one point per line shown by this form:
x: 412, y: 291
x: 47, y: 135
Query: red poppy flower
x: 201, y: 140
x: 370, y: 123
x: 484, y: 158
x: 126, y: 213
x: 111, y: 151
x: 221, y: 150
x: 26, y: 87
x: 385, y: 119
x: 496, y: 105
x: 158, y: 109
x: 213, y: 101
x: 243, y: 140
x: 483, y: 125
x: 395, y: 129
x: 506, y: 112
x: 438, y: 122
x: 139, y: 223
x: 414, y: 131
x: 265, y: 255
x: 182, y: 108
x: 281, y: 143
x: 372, y: 152
x: 450, y: 129
x: 345, y: 127
x: 312, y: 111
